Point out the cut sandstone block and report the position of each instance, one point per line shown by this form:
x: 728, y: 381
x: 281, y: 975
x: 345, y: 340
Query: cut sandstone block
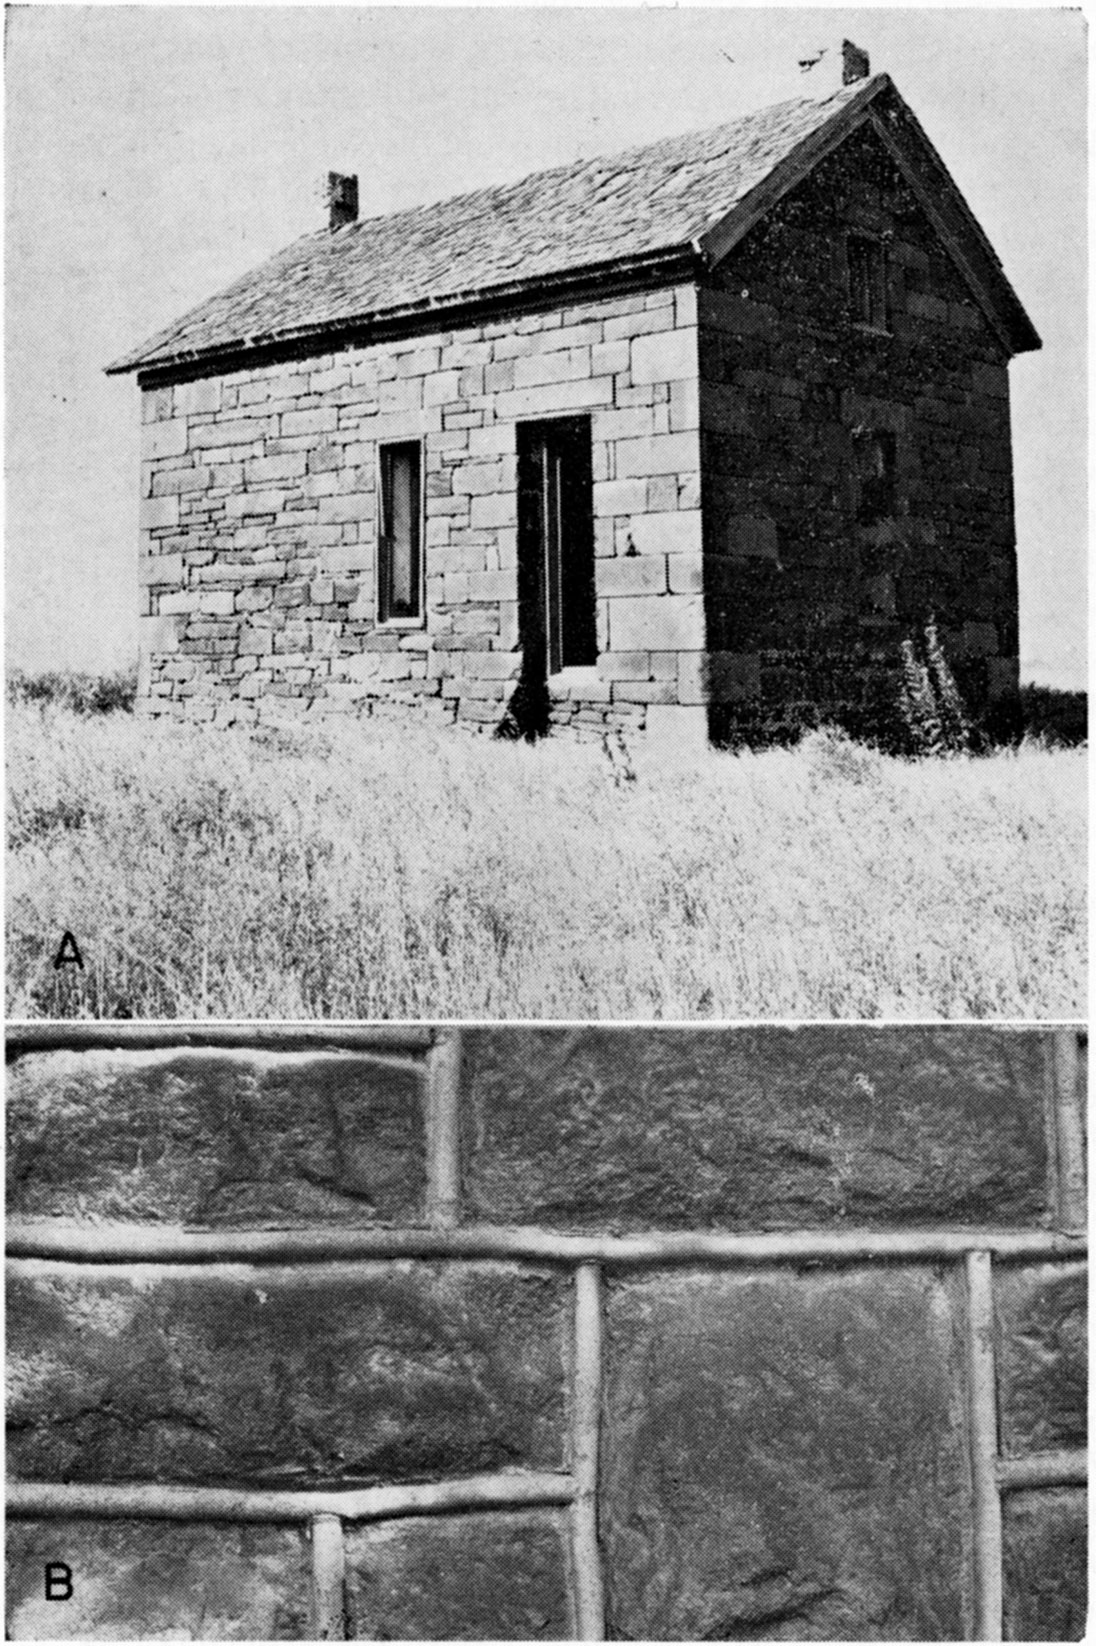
x: 167, y: 438
x: 656, y: 622
x: 222, y: 1139
x: 1046, y: 1565
x: 155, y: 513
x: 782, y: 1448
x: 1042, y: 1357
x: 658, y: 454
x: 473, y: 1577
x: 756, y: 1128
x: 358, y: 1374
x: 632, y: 574
x: 661, y: 356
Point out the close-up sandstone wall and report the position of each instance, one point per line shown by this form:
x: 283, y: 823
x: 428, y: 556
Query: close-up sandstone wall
x: 537, y: 1333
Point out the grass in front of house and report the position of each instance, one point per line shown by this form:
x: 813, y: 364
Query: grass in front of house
x: 386, y: 871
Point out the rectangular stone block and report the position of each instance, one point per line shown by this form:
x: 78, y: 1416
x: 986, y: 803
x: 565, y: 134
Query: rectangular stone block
x: 158, y: 1580
x: 197, y: 398
x: 552, y: 366
x: 626, y: 666
x: 754, y: 1128
x: 357, y: 1373
x: 632, y: 574
x: 784, y: 1458
x: 317, y: 421
x: 499, y: 1576
x: 1042, y: 1356
x: 181, y: 603
x: 666, y: 622
x: 496, y: 509
x: 661, y: 356
x: 479, y: 478
x: 167, y: 438
x: 160, y: 569
x: 157, y: 635
x: 155, y: 513
x: 260, y: 470
x: 685, y: 576
x: 1046, y: 1567
x: 658, y: 454
x: 555, y: 397
x: 216, y: 602
x: 675, y: 531
x: 238, y: 432
x: 156, y: 404
x: 241, y: 504
x: 212, y: 1138
x: 610, y: 497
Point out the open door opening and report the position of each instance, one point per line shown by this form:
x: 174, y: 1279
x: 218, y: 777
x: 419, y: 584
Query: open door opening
x: 557, y: 567
x: 557, y: 572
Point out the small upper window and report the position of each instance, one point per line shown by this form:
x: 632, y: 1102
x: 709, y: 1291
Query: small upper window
x: 867, y: 281
x: 399, y: 557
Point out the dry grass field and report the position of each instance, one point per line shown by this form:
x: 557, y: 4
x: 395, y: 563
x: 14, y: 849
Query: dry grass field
x: 384, y: 872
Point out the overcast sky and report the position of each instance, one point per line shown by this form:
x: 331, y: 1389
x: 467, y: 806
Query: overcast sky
x: 155, y: 153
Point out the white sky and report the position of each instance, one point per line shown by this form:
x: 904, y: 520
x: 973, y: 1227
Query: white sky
x: 155, y: 153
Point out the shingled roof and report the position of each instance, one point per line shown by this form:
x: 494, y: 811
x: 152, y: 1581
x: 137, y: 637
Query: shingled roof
x: 691, y: 195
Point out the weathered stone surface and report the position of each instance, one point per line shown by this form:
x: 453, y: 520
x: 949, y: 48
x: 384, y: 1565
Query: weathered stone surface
x: 1045, y: 1565
x: 753, y: 1128
x: 214, y: 1138
x: 789, y: 389
x: 783, y: 1459
x: 156, y: 1580
x: 478, y: 1577
x: 1042, y: 1358
x: 361, y: 1373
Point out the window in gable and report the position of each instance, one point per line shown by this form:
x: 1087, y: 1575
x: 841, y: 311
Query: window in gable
x: 400, y: 573
x: 867, y: 281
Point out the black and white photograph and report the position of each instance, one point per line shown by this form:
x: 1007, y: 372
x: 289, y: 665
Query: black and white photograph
x: 630, y: 1333
x: 546, y: 513
x: 546, y: 1022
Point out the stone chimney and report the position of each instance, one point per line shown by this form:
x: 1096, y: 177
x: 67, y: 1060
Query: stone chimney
x: 855, y: 63
x: 343, y: 200
x: 826, y: 72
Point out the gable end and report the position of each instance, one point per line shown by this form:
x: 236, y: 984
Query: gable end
x: 882, y: 109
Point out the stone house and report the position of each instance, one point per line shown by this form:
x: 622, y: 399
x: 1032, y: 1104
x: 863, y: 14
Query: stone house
x: 687, y: 440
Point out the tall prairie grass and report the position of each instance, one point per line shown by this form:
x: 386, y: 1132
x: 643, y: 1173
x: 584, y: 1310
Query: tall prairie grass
x: 379, y: 871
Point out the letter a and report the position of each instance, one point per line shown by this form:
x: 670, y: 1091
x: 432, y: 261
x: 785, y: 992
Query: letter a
x: 69, y: 953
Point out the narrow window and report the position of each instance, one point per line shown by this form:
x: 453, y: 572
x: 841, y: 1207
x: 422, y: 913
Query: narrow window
x: 399, y: 573
x: 877, y: 459
x: 867, y: 281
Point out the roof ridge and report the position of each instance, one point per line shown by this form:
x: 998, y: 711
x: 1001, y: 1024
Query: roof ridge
x: 683, y: 195
x: 611, y: 160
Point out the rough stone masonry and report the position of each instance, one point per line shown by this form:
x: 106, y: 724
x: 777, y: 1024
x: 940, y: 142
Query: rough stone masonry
x: 536, y: 1333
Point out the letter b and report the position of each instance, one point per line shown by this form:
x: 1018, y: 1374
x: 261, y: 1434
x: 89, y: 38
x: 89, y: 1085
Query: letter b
x: 59, y: 1581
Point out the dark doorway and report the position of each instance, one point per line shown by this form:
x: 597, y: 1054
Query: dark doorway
x: 557, y: 571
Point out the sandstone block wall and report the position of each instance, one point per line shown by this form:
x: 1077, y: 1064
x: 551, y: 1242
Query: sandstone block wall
x: 259, y: 521
x: 740, y: 581
x: 506, y: 1333
x: 812, y: 599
